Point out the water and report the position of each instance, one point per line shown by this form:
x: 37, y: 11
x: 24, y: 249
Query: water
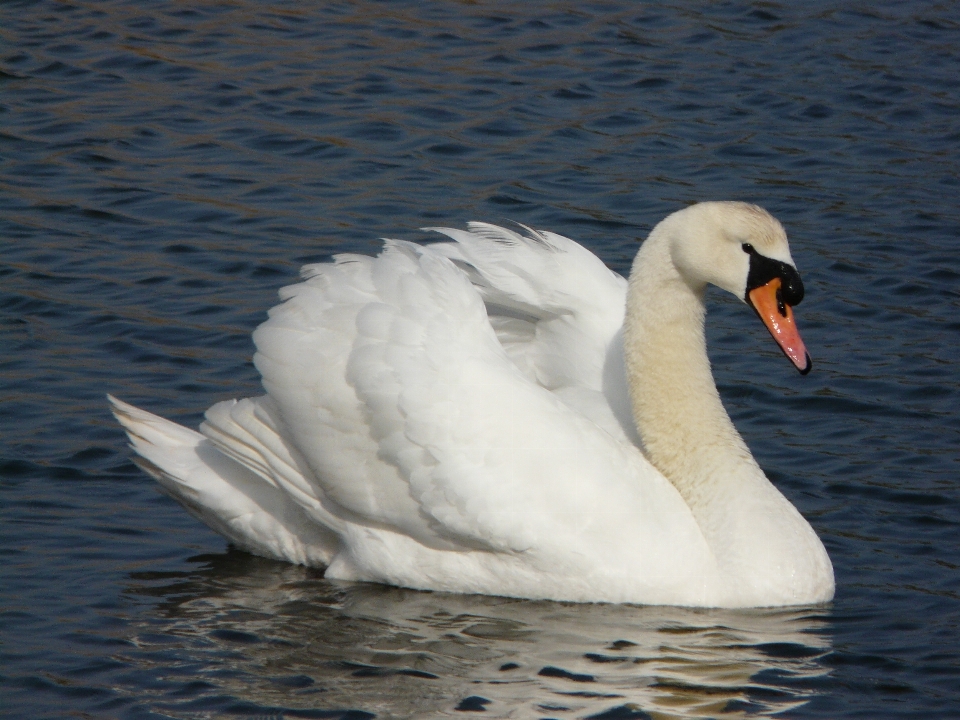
x: 166, y: 167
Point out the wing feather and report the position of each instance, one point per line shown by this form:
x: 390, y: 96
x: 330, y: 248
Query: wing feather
x: 426, y: 427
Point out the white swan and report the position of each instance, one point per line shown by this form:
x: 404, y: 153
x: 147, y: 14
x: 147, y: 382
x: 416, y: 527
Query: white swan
x: 460, y: 417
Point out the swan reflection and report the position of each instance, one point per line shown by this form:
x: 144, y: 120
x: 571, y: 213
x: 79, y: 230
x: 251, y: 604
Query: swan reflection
x: 282, y: 637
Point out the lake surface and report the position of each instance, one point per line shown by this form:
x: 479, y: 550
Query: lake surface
x: 166, y: 167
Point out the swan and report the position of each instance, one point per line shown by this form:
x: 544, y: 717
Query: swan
x: 502, y: 414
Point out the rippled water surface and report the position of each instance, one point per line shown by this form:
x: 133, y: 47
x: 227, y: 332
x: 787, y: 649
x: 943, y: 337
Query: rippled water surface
x: 165, y: 167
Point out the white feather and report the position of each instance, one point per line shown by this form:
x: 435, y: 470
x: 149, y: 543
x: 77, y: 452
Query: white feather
x: 457, y: 417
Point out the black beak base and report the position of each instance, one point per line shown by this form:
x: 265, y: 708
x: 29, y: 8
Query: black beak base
x: 764, y: 269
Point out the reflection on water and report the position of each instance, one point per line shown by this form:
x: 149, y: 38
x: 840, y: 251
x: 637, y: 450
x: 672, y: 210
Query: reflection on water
x: 266, y: 636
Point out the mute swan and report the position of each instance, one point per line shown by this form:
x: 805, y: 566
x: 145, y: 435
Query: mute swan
x: 502, y: 414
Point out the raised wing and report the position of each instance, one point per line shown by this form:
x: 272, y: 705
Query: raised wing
x: 391, y: 383
x: 558, y: 312
x: 554, y: 305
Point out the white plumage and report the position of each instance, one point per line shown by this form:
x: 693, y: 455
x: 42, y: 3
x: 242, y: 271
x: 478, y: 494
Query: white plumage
x: 458, y: 417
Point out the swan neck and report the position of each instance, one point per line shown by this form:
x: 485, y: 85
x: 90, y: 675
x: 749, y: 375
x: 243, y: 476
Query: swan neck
x: 685, y: 430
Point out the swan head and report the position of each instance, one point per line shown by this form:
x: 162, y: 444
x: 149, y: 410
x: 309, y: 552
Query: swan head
x: 743, y: 249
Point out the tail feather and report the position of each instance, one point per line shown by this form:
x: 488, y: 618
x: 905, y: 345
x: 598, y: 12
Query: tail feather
x: 231, y: 497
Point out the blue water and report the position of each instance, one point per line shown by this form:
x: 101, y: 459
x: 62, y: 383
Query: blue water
x: 166, y: 167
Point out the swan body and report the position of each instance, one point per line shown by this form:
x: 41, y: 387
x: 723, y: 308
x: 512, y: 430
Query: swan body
x: 502, y: 414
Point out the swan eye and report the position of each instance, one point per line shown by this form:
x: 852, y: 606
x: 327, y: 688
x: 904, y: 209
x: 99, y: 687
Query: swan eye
x: 748, y: 248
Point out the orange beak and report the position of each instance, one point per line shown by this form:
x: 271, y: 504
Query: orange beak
x: 778, y: 317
